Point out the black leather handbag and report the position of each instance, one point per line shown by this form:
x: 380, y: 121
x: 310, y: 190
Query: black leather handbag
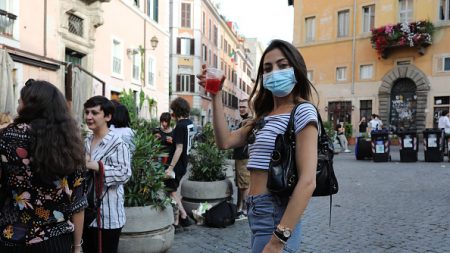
x: 283, y: 176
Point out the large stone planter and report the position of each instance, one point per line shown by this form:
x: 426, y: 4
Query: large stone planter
x: 147, y: 230
x: 196, y: 192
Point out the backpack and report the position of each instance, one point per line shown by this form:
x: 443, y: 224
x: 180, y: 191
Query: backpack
x: 221, y: 215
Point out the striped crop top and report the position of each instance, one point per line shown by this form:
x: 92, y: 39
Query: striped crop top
x: 261, y: 150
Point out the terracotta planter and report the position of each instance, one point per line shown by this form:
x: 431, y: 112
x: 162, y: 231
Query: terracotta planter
x: 196, y: 192
x: 394, y: 142
x: 147, y: 230
x: 351, y: 141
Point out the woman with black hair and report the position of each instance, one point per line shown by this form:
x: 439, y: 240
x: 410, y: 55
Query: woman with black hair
x: 120, y: 125
x: 281, y: 83
x: 108, y: 156
x: 164, y: 134
x: 42, y: 196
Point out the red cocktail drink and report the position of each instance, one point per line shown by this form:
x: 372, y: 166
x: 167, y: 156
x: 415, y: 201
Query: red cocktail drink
x: 213, y: 79
x: 212, y: 85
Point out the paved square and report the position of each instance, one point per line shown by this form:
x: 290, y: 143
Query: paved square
x: 381, y: 207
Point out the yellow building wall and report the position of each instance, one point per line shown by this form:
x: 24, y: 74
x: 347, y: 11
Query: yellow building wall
x: 328, y: 51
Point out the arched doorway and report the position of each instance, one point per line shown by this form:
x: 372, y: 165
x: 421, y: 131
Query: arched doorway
x: 403, y: 105
x: 411, y: 83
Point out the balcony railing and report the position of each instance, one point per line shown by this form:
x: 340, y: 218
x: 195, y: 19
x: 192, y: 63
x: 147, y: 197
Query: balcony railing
x: 7, y: 23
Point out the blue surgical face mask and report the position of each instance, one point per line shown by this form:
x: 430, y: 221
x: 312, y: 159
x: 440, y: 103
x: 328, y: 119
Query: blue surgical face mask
x: 280, y: 82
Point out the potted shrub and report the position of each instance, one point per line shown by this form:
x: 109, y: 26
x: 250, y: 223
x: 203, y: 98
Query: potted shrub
x: 349, y: 133
x: 149, y: 214
x: 331, y: 132
x: 207, y: 180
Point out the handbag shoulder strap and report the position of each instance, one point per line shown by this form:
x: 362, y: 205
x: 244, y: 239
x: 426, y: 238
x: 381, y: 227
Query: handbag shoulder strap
x: 290, y: 131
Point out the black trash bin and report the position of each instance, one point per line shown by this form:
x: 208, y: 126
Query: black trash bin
x: 409, y: 146
x: 433, y: 140
x: 380, y: 145
x: 363, y: 148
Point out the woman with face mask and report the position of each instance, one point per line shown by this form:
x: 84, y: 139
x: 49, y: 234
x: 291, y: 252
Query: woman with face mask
x: 281, y: 83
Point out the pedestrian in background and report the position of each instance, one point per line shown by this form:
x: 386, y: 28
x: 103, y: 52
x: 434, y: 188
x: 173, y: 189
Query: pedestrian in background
x: 164, y: 134
x: 108, y: 156
x: 120, y: 125
x: 242, y: 175
x: 42, y: 196
x: 340, y: 135
x: 444, y: 122
x: 375, y: 123
x: 275, y: 221
x: 178, y: 158
x: 362, y: 126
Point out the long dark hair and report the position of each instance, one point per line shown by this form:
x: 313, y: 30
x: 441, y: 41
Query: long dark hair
x: 261, y: 99
x: 121, y: 117
x: 57, y: 146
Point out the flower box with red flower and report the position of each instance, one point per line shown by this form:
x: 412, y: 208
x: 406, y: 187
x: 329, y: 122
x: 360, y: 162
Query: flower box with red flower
x: 415, y: 34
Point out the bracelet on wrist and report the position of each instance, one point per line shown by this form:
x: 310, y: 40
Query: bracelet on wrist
x: 77, y: 245
x: 279, y: 239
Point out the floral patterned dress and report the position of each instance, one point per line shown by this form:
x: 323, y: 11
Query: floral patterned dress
x: 44, y: 209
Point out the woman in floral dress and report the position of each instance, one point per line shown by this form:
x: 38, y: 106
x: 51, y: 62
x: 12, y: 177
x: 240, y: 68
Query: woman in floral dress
x: 42, y: 192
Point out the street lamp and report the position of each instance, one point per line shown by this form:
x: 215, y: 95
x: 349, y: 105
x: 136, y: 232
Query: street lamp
x: 154, y: 42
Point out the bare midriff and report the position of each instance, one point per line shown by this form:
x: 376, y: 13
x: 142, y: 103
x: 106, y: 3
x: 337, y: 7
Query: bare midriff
x: 258, y: 181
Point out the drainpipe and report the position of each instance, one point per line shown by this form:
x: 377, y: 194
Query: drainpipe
x: 45, y: 27
x: 353, y: 48
x: 144, y: 55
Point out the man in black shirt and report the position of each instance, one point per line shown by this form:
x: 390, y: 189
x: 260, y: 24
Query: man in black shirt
x: 178, y: 157
x: 242, y: 175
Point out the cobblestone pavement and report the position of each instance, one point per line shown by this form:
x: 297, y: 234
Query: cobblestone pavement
x: 381, y: 207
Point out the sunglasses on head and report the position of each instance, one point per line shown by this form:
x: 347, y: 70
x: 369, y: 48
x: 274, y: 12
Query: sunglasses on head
x: 258, y: 126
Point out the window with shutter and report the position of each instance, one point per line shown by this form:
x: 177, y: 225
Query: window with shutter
x: 366, y: 72
x: 152, y: 9
x: 185, y: 46
x: 443, y: 64
x: 368, y: 18
x: 343, y: 23
x: 192, y: 83
x: 192, y: 47
x: 178, y: 82
x: 186, y: 15
x: 405, y: 10
x: 446, y: 63
x: 310, y: 25
x: 341, y: 73
x: 444, y: 10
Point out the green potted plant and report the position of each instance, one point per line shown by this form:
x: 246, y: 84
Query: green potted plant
x: 207, y: 180
x: 147, y: 206
x: 349, y: 133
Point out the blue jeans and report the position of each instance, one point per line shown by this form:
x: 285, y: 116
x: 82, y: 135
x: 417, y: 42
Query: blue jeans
x: 264, y: 214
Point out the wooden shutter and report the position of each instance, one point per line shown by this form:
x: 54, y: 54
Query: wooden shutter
x: 192, y: 83
x: 192, y: 46
x: 178, y: 46
x: 178, y: 83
